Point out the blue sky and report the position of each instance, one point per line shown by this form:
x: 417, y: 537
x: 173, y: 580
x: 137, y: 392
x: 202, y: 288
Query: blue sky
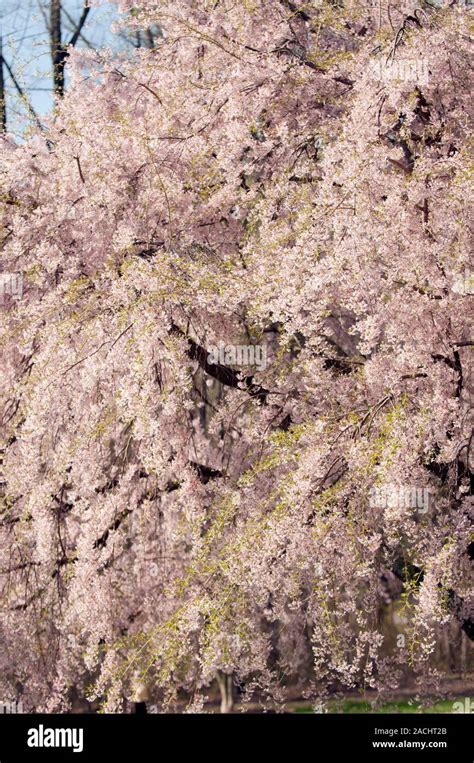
x: 23, y: 25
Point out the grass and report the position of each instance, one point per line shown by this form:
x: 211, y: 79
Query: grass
x: 395, y: 706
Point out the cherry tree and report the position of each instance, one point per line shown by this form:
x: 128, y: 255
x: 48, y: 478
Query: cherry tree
x: 287, y: 175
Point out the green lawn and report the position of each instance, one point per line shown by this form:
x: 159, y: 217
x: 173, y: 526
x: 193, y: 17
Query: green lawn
x: 396, y: 706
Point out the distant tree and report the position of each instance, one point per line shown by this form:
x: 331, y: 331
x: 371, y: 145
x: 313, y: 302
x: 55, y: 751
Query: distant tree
x: 60, y: 46
x: 59, y: 33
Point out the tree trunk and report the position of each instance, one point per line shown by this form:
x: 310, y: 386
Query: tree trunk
x: 58, y: 54
x: 226, y: 688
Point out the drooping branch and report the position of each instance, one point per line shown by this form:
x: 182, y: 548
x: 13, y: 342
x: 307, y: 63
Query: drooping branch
x: 224, y: 374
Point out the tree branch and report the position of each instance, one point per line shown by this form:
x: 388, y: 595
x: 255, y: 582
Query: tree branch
x: 224, y: 374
